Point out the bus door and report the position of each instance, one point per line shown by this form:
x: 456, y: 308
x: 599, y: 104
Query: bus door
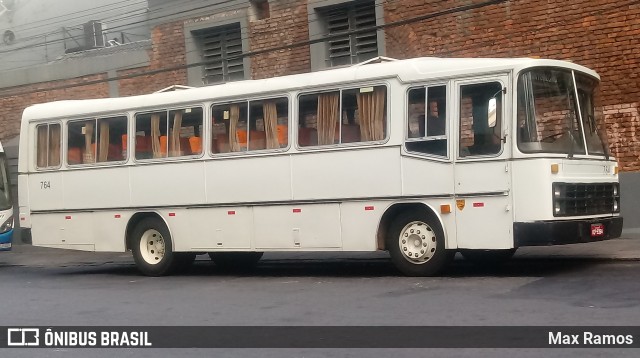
x: 482, y: 174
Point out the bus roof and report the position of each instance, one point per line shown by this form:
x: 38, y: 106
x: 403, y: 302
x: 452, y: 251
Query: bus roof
x: 410, y: 70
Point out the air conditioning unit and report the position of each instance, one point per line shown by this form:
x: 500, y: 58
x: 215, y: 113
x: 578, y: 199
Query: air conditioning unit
x: 93, y: 36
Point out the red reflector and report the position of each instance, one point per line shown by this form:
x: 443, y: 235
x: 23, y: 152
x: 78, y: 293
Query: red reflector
x: 478, y: 205
x: 23, y: 219
x: 368, y: 208
x: 117, y: 216
x: 67, y: 217
x: 597, y: 230
x: 297, y: 210
x: 231, y: 212
x: 172, y: 214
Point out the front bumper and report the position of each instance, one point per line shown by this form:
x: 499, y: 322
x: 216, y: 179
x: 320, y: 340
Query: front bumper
x: 544, y: 233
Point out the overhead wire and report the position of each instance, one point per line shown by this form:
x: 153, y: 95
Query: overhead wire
x: 286, y: 46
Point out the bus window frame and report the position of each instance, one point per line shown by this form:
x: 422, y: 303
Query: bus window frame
x: 35, y: 145
x: 95, y: 164
x: 448, y: 122
x: 132, y: 153
x: 247, y: 153
x: 349, y: 144
x: 504, y: 124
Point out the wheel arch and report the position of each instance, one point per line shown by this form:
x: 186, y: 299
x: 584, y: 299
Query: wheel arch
x: 136, y: 219
x: 396, y: 209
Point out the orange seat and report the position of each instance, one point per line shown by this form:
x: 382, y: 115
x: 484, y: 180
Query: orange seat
x: 195, y: 144
x: 283, y: 134
x: 74, y: 156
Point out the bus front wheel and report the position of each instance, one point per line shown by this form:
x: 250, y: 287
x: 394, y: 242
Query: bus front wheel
x: 152, y: 249
x: 416, y: 244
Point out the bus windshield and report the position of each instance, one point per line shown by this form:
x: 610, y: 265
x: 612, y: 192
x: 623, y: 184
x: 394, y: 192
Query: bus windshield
x: 5, y: 195
x: 550, y: 117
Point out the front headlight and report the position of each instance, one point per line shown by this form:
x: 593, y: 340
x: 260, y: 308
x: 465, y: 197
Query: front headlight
x: 7, y: 225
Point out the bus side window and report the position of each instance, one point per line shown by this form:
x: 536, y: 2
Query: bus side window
x: 185, y: 127
x: 229, y: 129
x: 151, y: 135
x: 345, y: 116
x: 48, y: 145
x: 268, y: 124
x: 427, y: 120
x: 480, y: 119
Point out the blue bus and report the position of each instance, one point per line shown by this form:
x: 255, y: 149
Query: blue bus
x: 6, y: 208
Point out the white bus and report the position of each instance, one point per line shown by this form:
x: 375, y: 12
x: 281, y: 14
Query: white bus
x: 420, y: 157
x: 6, y: 208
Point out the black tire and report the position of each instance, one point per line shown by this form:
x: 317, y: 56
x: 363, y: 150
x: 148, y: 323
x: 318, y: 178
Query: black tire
x: 428, y: 245
x: 235, y: 260
x: 488, y: 258
x: 158, y: 259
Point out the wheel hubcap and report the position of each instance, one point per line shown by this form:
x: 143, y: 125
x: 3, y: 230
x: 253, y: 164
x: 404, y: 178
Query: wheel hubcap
x: 152, y: 246
x: 417, y: 242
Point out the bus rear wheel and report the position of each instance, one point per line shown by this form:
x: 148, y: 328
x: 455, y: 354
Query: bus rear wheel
x: 235, y: 260
x: 152, y: 249
x: 416, y: 244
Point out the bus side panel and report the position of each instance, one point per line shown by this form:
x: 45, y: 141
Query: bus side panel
x: 167, y: 184
x: 485, y: 223
x: 46, y: 191
x: 211, y: 229
x: 109, y: 228
x: 310, y: 226
x: 349, y: 173
x: 254, y: 179
x: 96, y: 188
x: 359, y: 222
x: 65, y: 231
x: 23, y: 201
x: 426, y: 177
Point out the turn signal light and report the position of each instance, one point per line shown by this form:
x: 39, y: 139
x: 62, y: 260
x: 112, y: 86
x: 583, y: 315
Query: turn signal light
x: 555, y: 168
x: 445, y: 209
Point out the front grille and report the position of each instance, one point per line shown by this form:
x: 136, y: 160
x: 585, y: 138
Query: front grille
x: 575, y: 199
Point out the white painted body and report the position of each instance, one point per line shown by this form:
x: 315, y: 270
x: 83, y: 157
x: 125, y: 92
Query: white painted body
x: 297, y: 199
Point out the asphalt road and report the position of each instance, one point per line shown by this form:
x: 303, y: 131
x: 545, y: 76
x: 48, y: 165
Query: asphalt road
x: 340, y: 291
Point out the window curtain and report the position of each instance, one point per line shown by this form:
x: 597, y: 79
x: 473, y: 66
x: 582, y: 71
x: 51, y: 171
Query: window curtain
x: 234, y: 143
x: 43, y: 150
x: 174, y: 140
x: 88, y: 146
x: 54, y: 145
x: 371, y: 114
x: 328, y: 115
x: 271, y: 124
x: 103, y: 144
x: 155, y: 135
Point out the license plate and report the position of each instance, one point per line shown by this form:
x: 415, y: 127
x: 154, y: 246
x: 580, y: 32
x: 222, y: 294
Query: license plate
x: 597, y: 230
x: 5, y: 246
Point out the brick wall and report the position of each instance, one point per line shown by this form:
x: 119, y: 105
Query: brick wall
x: 603, y: 35
x: 287, y: 24
x: 11, y: 106
x: 167, y: 51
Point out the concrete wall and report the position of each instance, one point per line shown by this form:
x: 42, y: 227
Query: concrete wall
x: 39, y: 27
